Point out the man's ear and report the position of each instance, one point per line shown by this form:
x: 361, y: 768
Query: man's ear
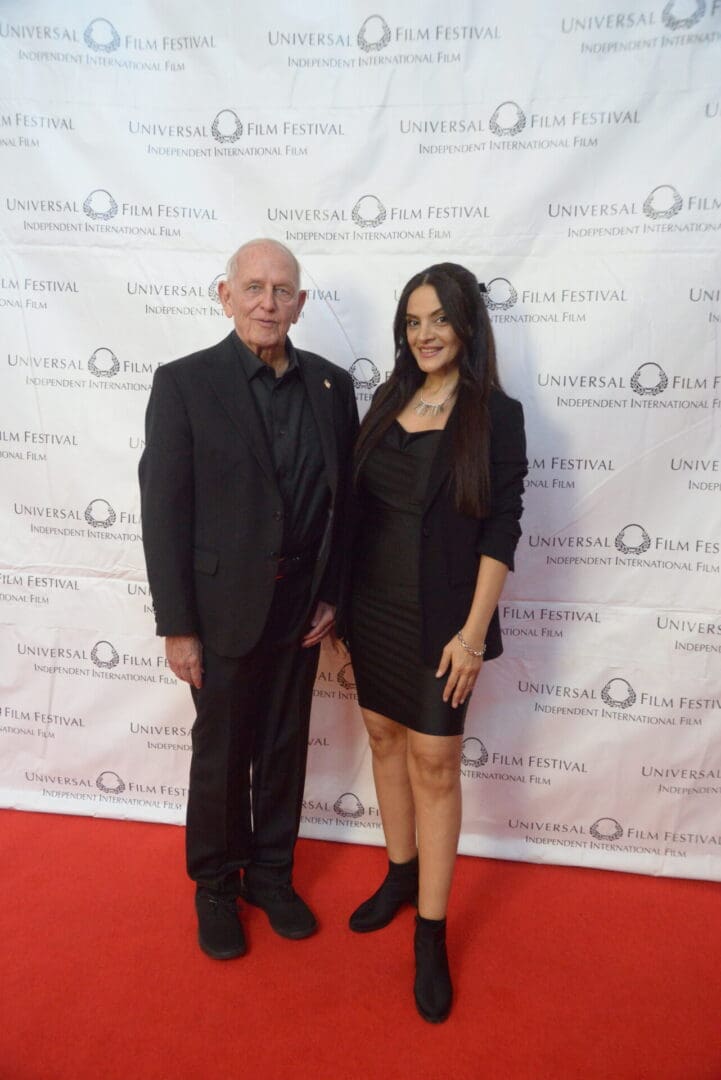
x: 224, y: 294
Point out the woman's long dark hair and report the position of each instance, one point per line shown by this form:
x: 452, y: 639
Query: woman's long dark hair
x: 463, y: 305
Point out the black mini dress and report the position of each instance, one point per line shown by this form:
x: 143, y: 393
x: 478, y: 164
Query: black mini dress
x: 385, y: 613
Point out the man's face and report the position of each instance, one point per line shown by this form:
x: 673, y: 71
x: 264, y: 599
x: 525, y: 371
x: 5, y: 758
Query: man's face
x: 263, y: 299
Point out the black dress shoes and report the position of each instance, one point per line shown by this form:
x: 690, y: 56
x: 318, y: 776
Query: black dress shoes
x: 432, y: 989
x: 220, y: 934
x: 288, y: 913
x: 399, y: 887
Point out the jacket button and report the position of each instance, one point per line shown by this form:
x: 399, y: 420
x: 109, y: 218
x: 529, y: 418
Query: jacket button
x: 278, y: 515
x: 272, y: 554
x: 426, y: 531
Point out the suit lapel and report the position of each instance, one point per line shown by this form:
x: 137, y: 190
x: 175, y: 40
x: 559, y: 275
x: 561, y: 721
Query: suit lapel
x: 320, y: 395
x: 228, y: 380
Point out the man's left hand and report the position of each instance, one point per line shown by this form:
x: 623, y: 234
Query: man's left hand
x: 322, y: 622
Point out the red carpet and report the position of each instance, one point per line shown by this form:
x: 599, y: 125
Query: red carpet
x: 560, y: 973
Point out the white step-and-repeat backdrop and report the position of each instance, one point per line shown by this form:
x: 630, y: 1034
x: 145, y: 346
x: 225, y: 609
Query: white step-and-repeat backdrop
x: 568, y: 152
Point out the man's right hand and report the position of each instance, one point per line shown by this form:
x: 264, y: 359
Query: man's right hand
x: 185, y: 656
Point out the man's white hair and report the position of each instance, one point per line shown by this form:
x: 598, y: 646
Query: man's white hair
x: 232, y: 264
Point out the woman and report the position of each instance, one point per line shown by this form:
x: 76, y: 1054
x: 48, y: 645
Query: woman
x: 439, y: 466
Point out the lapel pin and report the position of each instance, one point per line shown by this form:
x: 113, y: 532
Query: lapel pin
x: 326, y: 383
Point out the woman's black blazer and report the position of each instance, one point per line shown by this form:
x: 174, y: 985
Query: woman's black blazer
x: 452, y: 543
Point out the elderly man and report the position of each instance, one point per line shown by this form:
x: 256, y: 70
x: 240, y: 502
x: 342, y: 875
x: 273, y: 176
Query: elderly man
x: 243, y: 481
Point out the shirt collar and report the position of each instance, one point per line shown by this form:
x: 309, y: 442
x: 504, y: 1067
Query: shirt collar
x: 253, y: 365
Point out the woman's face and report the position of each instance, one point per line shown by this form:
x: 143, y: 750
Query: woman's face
x: 431, y: 338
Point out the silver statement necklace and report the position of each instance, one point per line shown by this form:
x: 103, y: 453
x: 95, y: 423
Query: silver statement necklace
x: 428, y: 408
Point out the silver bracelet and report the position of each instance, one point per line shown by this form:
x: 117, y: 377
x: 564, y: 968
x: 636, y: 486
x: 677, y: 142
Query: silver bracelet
x: 467, y: 647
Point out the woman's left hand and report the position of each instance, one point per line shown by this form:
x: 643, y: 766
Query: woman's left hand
x: 464, y: 668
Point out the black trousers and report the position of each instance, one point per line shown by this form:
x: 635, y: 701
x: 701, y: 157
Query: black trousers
x: 250, y: 744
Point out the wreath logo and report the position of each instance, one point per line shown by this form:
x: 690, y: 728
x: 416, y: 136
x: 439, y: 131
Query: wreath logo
x: 100, y: 514
x: 632, y: 540
x: 345, y: 677
x: 104, y: 363
x: 101, y: 36
x: 507, y: 119
x: 100, y: 205
x: 110, y: 782
x: 364, y: 373
x: 639, y: 380
x: 501, y: 294
x: 213, y: 288
x: 685, y: 22
x: 349, y: 805
x: 606, y: 828
x: 473, y: 753
x: 663, y: 202
x: 618, y: 693
x: 369, y: 212
x: 374, y: 34
x: 104, y: 655
x: 227, y: 126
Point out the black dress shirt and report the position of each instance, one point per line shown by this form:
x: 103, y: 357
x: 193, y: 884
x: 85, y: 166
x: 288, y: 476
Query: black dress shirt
x: 295, y: 447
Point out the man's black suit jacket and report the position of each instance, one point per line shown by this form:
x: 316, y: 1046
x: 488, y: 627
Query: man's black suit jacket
x: 211, y: 509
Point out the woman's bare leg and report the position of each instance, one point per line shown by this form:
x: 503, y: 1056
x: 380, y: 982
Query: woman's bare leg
x: 388, y: 743
x: 434, y: 768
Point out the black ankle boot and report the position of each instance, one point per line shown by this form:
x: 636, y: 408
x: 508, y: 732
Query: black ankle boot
x: 400, y: 886
x: 432, y: 988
